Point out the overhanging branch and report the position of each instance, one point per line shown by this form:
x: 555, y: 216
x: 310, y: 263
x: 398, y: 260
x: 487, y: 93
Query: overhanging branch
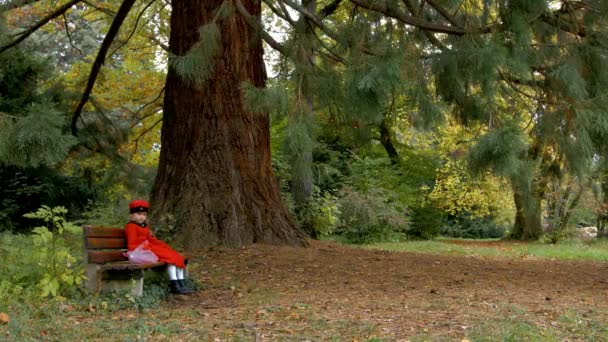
x: 59, y: 11
x: 389, y: 8
x: 122, y: 13
x: 256, y: 25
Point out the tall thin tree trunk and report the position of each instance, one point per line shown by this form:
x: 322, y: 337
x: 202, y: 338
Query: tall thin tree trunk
x: 215, y: 183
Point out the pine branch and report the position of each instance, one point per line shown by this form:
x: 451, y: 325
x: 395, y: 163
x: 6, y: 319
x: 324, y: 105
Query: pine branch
x: 329, y: 9
x: 120, y: 17
x: 330, y: 53
x: 144, y: 106
x: 429, y: 35
x: 255, y: 24
x: 515, y: 80
x: 283, y: 15
x: 67, y: 32
x: 159, y: 43
x: 556, y: 20
x: 133, y: 30
x: 100, y: 9
x: 59, y: 11
x: 388, y: 8
x: 444, y: 13
x: 145, y: 132
x: 313, y: 19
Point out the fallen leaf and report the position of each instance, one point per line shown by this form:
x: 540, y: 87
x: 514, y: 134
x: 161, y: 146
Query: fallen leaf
x: 4, y: 318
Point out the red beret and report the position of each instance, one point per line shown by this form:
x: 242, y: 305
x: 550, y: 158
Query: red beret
x: 138, y: 206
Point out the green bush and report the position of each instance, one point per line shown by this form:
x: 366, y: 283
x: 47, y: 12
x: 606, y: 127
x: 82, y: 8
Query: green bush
x: 320, y: 216
x: 371, y: 216
x: 469, y: 227
x: 425, y: 222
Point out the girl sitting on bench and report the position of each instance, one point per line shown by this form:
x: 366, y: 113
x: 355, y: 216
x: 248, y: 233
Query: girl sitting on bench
x: 138, y: 233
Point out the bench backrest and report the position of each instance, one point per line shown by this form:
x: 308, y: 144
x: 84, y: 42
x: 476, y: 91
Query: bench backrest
x: 102, y: 245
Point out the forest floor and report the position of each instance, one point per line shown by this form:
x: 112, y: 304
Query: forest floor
x: 334, y: 292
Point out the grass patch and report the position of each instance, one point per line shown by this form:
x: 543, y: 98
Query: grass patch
x: 516, y: 326
x: 572, y: 250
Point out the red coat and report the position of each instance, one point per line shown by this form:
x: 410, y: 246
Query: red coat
x: 137, y: 234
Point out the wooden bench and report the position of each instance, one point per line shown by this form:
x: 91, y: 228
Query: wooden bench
x: 106, y: 266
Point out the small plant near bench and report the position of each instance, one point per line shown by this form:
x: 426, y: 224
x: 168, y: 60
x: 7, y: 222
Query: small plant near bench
x: 107, y: 268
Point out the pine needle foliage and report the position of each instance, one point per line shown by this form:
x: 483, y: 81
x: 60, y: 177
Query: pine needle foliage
x: 272, y: 99
x: 36, y: 139
x: 503, y: 150
x: 198, y: 63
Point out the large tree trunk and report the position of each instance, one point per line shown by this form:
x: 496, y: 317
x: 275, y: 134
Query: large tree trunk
x: 215, y: 183
x: 527, y: 224
x: 528, y: 213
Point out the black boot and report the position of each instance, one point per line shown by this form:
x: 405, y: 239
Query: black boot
x: 182, y: 284
x: 176, y: 289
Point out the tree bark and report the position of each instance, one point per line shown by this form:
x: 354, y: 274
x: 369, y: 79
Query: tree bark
x: 215, y: 184
x: 528, y: 214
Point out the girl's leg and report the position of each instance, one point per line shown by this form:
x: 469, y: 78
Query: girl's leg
x: 172, y: 271
x: 175, y: 286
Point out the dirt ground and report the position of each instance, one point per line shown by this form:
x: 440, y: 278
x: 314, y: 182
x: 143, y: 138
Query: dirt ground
x: 328, y: 291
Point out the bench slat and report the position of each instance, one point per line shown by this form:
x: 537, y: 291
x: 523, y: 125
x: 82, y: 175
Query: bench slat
x: 101, y: 257
x: 91, y: 232
x: 120, y: 266
x: 106, y: 243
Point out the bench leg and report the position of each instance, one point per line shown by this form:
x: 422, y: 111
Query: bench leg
x: 135, y: 285
x: 98, y: 280
x: 93, y: 278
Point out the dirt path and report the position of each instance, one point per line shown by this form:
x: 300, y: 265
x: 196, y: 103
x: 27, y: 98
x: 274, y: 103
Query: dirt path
x: 328, y: 291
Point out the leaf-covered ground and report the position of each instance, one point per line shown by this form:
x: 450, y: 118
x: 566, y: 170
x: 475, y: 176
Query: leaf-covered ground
x: 330, y: 292
x: 333, y: 292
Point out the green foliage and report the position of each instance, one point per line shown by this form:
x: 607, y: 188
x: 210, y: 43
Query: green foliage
x: 502, y: 150
x: 198, y: 63
x: 47, y: 258
x: 371, y: 216
x: 32, y: 129
x: 321, y: 212
x: 425, y: 222
x: 273, y: 100
x: 25, y: 190
x: 110, y: 213
x: 36, y: 139
x: 20, y: 76
x: 470, y: 227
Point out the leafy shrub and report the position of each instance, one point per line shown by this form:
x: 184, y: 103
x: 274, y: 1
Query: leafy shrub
x: 46, y: 258
x: 425, y: 222
x: 321, y: 214
x: 370, y: 216
x: 473, y: 228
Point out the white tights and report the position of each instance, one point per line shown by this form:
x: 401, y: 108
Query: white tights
x: 175, y: 273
